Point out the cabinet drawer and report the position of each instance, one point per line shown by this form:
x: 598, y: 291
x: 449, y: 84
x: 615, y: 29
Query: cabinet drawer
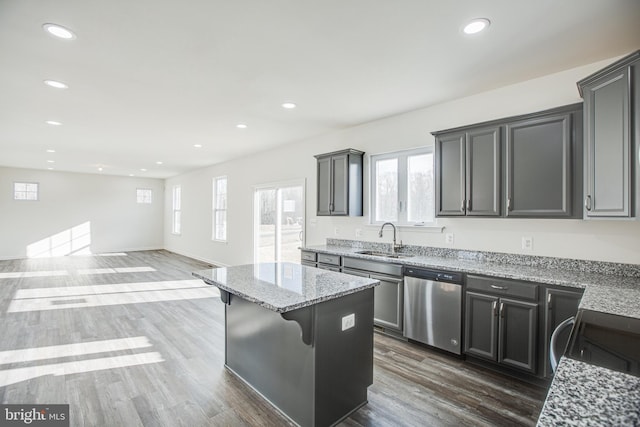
x: 329, y: 259
x: 503, y: 287
x: 309, y: 256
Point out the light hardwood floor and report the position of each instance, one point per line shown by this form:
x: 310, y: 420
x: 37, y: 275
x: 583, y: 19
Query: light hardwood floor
x: 134, y: 340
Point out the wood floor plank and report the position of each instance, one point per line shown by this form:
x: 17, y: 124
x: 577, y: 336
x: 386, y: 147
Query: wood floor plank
x: 179, y: 377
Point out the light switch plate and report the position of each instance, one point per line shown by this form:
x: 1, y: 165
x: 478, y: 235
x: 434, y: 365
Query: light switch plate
x: 348, y: 321
x: 527, y: 243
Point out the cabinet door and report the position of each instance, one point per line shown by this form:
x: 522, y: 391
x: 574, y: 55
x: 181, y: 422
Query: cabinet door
x: 483, y: 172
x: 608, y: 148
x: 559, y: 306
x: 539, y: 167
x: 388, y: 302
x: 517, y: 343
x: 450, y: 175
x: 481, y: 325
x: 324, y: 186
x: 340, y: 184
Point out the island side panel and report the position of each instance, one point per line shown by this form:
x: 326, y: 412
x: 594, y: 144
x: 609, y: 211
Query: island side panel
x: 268, y: 353
x: 344, y: 358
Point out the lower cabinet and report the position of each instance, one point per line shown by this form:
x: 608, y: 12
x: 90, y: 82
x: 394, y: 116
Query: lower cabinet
x: 388, y: 309
x: 502, y: 329
x: 560, y: 304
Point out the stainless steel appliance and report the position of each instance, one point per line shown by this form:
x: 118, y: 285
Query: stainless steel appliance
x: 433, y: 308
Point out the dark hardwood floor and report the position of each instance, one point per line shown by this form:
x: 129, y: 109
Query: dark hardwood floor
x: 134, y: 340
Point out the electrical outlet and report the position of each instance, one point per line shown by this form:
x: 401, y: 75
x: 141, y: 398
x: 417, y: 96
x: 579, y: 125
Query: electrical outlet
x: 348, y: 321
x: 527, y: 243
x: 448, y: 238
x: 358, y: 232
x: 336, y: 231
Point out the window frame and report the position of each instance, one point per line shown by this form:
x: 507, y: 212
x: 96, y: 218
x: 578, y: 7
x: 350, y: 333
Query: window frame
x: 402, y: 157
x: 26, y: 191
x: 215, y: 209
x: 143, y: 201
x: 176, y: 226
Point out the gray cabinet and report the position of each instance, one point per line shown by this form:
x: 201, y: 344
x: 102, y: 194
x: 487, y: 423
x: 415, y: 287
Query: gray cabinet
x: 539, y: 167
x: 339, y: 180
x: 468, y: 173
x: 526, y: 166
x: 499, y: 325
x: 388, y: 311
x: 612, y: 119
x: 560, y: 304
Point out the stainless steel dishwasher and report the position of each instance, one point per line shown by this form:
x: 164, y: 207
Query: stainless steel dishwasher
x: 433, y: 308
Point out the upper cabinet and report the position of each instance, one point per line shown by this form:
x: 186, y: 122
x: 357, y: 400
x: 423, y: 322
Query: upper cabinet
x: 612, y: 136
x: 339, y: 178
x: 468, y: 172
x: 527, y: 166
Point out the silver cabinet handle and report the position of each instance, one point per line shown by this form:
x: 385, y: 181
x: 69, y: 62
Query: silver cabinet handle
x: 493, y: 308
x: 501, y: 288
x: 508, y: 203
x: 462, y: 206
x: 468, y: 205
x: 549, y: 301
x: 587, y: 203
x: 502, y: 310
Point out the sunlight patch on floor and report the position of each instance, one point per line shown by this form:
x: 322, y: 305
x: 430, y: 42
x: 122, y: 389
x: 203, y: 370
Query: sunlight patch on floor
x: 102, y: 295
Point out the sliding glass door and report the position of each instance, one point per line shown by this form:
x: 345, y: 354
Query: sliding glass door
x: 279, y: 212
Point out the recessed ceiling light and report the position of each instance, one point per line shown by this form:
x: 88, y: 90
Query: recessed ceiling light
x: 50, y: 169
x: 51, y: 151
x: 51, y: 161
x: 288, y: 105
x: 131, y: 174
x: 59, y: 31
x: 241, y: 126
x: 143, y: 170
x: 197, y: 145
x: 476, y: 25
x: 100, y: 169
x: 56, y: 84
x: 158, y: 163
x: 53, y: 123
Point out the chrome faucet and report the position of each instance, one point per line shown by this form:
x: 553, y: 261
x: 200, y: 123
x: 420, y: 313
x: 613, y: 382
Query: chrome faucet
x: 395, y: 246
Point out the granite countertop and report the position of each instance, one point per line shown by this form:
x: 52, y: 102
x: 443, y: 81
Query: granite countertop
x: 608, y: 291
x: 582, y: 395
x: 283, y: 287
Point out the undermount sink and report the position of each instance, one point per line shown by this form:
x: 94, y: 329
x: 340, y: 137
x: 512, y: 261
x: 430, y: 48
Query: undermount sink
x: 384, y: 254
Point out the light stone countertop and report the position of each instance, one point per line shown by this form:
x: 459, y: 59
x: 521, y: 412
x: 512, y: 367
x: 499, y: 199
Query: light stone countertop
x: 604, y: 291
x: 283, y: 287
x: 581, y: 394
x: 586, y: 395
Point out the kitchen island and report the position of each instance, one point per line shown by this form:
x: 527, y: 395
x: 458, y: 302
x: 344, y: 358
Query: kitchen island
x: 300, y: 336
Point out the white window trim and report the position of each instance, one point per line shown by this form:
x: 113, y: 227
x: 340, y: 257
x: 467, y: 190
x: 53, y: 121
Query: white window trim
x: 37, y: 184
x: 215, y: 209
x: 402, y: 156
x: 174, y: 210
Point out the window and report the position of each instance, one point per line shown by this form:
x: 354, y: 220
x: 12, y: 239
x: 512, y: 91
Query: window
x: 402, y: 187
x: 144, y: 195
x: 176, y: 229
x: 25, y: 191
x: 220, y: 208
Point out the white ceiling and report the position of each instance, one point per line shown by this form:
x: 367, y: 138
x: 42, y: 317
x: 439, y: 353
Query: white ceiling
x: 148, y: 79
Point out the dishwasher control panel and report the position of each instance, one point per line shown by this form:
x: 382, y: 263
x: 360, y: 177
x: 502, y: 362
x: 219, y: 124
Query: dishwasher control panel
x: 435, y: 275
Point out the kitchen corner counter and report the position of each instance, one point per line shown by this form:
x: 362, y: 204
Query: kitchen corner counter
x: 582, y: 394
x: 283, y: 287
x: 606, y: 287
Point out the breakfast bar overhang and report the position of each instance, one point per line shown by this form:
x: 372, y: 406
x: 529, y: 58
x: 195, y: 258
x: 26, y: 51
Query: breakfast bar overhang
x: 300, y: 336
